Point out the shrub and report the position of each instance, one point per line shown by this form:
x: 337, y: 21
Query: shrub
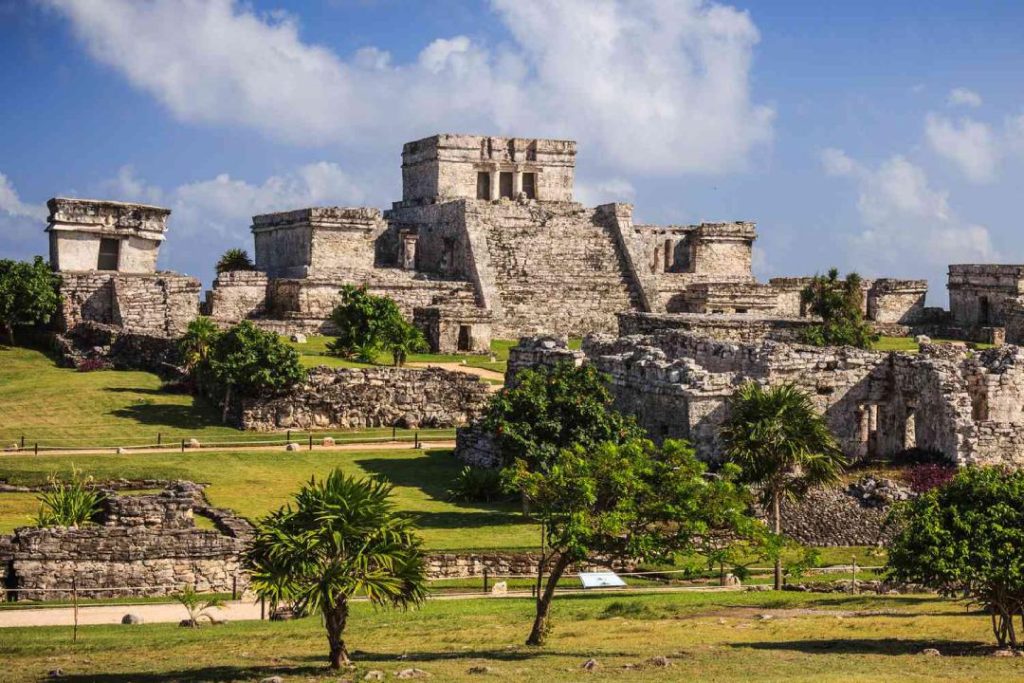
x: 249, y: 362
x: 68, y: 503
x: 966, y: 540
x: 197, y: 606
x: 838, y: 304
x: 92, y: 364
x: 234, y: 259
x: 477, y: 485
x: 28, y: 294
x: 368, y: 324
x: 923, y: 478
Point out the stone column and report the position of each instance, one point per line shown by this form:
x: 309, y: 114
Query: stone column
x: 517, y: 181
x: 495, y: 182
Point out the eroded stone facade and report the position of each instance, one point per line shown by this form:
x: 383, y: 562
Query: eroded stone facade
x: 965, y: 405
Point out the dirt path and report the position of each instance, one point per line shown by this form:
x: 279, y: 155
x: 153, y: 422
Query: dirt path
x: 242, y: 610
x: 468, y: 369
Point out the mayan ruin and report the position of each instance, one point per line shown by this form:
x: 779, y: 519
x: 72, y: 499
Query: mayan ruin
x: 533, y: 340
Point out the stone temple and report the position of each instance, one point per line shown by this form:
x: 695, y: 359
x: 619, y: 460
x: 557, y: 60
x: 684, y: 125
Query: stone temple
x: 488, y: 241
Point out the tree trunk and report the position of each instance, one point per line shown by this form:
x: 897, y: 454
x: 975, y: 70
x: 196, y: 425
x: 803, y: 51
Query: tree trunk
x: 227, y: 405
x: 9, y: 329
x: 538, y: 633
x: 335, y: 618
x: 777, y: 527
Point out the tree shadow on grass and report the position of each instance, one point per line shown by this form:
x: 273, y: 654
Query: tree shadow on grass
x: 171, y: 416
x: 466, y: 520
x: 872, y: 646
x: 317, y: 668
x: 432, y: 472
x: 140, y: 390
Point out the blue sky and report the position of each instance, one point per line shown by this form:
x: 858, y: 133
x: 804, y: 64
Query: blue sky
x: 877, y: 136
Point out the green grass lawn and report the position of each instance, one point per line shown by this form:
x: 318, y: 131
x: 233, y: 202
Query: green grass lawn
x: 908, y: 344
x: 706, y: 636
x: 254, y: 483
x: 61, y: 408
x: 314, y: 352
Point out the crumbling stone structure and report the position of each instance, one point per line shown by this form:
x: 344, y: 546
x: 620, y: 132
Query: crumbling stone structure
x: 964, y: 405
x: 106, y: 254
x: 488, y: 240
x: 147, y: 543
x: 343, y: 398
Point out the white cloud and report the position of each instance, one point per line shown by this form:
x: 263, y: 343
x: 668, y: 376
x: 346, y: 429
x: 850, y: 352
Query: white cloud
x: 595, y: 193
x: 212, y: 215
x: 21, y: 223
x: 964, y: 97
x: 650, y: 85
x: 906, y: 224
x: 11, y: 204
x: 968, y: 143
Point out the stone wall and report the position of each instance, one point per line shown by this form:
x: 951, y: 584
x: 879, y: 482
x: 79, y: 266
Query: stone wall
x: 945, y: 398
x: 148, y: 544
x: 978, y: 294
x: 343, y: 398
x: 162, y: 304
x: 237, y: 295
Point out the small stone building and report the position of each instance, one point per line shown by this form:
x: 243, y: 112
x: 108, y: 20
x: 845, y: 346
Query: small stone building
x: 106, y: 254
x: 147, y: 544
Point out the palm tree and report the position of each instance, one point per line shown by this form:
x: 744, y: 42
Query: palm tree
x: 197, y: 606
x: 234, y: 259
x: 342, y: 539
x: 783, y: 446
x: 195, y: 345
x: 402, y: 339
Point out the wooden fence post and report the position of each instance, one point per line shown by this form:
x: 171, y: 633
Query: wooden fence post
x: 74, y: 599
x: 485, y: 579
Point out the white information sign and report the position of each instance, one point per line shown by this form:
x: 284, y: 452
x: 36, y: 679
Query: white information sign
x: 601, y: 580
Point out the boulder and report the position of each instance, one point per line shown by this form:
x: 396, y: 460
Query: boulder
x: 479, y: 670
x: 931, y: 652
x: 299, y: 338
x: 292, y: 447
x: 192, y: 443
x: 499, y: 588
x: 590, y: 664
x: 412, y: 673
x: 131, y: 619
x: 328, y: 441
x: 374, y: 676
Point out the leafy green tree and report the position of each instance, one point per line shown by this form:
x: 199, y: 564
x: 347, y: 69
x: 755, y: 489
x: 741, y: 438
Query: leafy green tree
x: 838, y: 304
x: 234, y: 259
x: 782, y: 445
x: 68, y: 503
x: 28, y: 294
x: 248, y: 362
x: 341, y: 540
x: 195, y: 347
x: 966, y: 539
x: 551, y: 408
x: 361, y: 320
x: 629, y: 500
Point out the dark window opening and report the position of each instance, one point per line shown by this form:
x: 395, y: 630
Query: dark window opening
x: 985, y: 312
x: 530, y: 185
x: 483, y: 185
x: 741, y: 310
x: 465, y: 338
x: 109, y: 252
x: 505, y: 184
